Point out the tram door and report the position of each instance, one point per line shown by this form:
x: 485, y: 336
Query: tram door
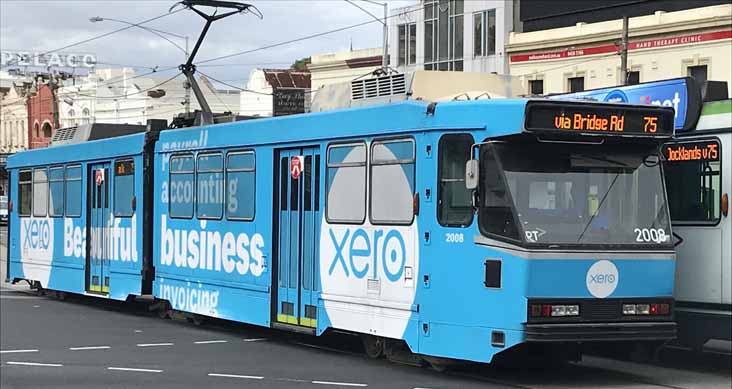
x: 298, y: 235
x: 99, y: 246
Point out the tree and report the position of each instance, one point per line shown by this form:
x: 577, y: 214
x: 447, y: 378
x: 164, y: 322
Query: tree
x: 301, y: 65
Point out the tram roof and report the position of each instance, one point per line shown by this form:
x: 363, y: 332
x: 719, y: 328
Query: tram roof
x: 499, y: 117
x: 79, y: 152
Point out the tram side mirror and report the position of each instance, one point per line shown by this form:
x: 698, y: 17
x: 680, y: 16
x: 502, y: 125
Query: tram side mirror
x: 471, y: 174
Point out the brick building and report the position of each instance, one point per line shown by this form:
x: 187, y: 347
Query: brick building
x: 41, y: 108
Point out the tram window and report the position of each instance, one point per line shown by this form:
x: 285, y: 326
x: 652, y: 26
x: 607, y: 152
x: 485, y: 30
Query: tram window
x: 496, y: 214
x: 694, y: 191
x: 40, y: 192
x: 73, y: 191
x: 317, y: 182
x: 392, y: 181
x: 346, y: 184
x: 283, y: 183
x: 210, y: 186
x: 124, y: 187
x: 240, y: 185
x: 25, y: 192
x: 56, y: 191
x: 180, y: 191
x: 454, y: 199
x: 308, y: 181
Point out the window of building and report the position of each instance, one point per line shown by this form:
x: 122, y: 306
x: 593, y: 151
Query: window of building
x: 124, y: 187
x: 633, y: 78
x: 25, y: 192
x: 454, y: 200
x: 46, y: 129
x: 443, y: 35
x: 407, y: 44
x: 484, y: 33
x: 85, y: 116
x: 40, y: 192
x: 56, y: 191
x: 392, y: 181
x: 346, y: 186
x: 698, y: 73
x: 496, y: 214
x: 536, y: 87
x: 73, y: 191
x: 180, y: 191
x: 694, y: 189
x: 240, y: 185
x: 210, y: 186
x: 576, y: 84
x: 36, y: 130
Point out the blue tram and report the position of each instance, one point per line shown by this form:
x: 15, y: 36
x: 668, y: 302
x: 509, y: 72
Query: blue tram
x: 461, y: 229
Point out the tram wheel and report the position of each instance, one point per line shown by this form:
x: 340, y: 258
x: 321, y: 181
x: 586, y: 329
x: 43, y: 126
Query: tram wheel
x: 197, y: 320
x: 164, y: 310
x: 439, y: 365
x: 373, y: 346
x: 61, y: 296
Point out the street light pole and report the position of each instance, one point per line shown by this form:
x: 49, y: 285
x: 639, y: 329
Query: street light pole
x: 385, y: 56
x: 187, y: 101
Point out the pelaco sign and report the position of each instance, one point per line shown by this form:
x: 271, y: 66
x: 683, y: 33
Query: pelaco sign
x: 681, y: 94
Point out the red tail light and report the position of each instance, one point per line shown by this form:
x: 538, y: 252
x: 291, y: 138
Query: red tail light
x: 10, y: 205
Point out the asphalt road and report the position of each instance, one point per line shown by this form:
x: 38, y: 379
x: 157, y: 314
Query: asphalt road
x: 86, y: 342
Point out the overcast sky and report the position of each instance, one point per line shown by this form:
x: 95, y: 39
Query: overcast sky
x: 35, y: 25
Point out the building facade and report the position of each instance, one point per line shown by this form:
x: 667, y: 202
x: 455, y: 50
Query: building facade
x: 345, y: 66
x: 13, y: 119
x: 275, y: 92
x: 121, y: 96
x: 452, y: 35
x: 691, y: 42
x: 42, y: 119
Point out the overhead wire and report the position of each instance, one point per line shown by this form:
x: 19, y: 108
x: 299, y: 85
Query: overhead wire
x: 12, y: 62
x: 306, y: 37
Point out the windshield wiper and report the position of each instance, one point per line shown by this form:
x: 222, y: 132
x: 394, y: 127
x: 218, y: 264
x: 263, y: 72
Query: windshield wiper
x: 601, y: 159
x: 599, y: 206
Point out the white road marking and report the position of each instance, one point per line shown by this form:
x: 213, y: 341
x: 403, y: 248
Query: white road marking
x: 17, y: 351
x: 138, y: 331
x: 254, y: 339
x: 210, y: 341
x: 35, y: 364
x: 153, y: 344
x: 36, y: 306
x: 337, y: 383
x: 89, y: 348
x: 136, y: 370
x: 249, y: 377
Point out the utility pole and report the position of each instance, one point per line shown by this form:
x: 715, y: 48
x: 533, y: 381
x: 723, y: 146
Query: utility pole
x: 53, y: 85
x: 624, y: 53
x: 385, y: 58
x: 187, y: 86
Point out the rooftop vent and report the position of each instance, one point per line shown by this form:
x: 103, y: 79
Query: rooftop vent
x: 388, y: 85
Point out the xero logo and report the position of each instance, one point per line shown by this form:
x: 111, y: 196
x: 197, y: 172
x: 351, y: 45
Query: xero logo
x: 360, y: 253
x: 37, y: 234
x: 602, y: 278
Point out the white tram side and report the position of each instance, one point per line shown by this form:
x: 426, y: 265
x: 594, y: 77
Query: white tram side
x: 697, y: 167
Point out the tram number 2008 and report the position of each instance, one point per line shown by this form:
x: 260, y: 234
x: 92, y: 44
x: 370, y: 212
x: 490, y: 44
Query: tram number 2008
x: 655, y: 235
x: 454, y: 238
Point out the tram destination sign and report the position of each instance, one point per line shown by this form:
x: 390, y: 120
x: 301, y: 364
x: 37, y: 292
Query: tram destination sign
x: 599, y: 119
x: 691, y: 151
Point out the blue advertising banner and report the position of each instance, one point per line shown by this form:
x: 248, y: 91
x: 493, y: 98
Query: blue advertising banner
x: 681, y: 94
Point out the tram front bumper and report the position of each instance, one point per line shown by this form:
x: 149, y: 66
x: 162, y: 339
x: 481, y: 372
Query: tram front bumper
x: 587, y: 332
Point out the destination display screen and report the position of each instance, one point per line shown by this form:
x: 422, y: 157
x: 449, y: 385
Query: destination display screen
x: 706, y: 150
x: 603, y: 119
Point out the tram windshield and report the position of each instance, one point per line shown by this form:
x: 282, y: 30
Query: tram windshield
x: 573, y: 195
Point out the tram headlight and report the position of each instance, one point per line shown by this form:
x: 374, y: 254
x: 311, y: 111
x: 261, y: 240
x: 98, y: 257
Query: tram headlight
x: 628, y: 309
x: 553, y: 310
x: 646, y: 309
